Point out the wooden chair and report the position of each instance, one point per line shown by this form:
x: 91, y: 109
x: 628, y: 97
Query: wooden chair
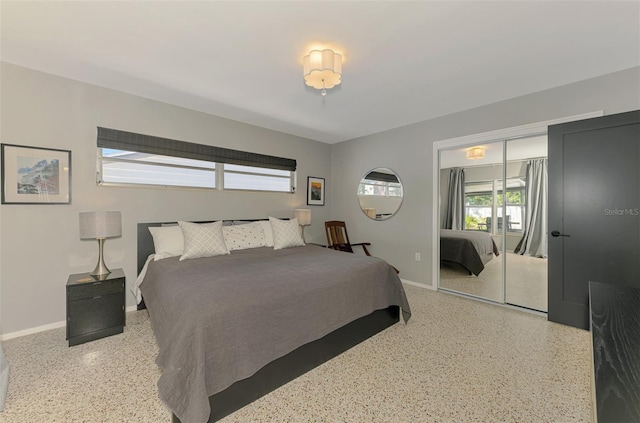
x: 338, y: 238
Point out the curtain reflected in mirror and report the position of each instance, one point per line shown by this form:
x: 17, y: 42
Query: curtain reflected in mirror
x: 380, y: 194
x: 526, y: 256
x: 493, y: 235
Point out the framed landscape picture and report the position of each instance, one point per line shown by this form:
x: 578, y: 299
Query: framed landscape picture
x: 315, y: 191
x: 34, y: 175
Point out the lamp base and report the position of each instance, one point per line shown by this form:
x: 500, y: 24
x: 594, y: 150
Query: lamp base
x: 101, y: 268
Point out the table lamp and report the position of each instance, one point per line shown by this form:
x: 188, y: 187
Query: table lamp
x: 100, y: 225
x: 304, y: 219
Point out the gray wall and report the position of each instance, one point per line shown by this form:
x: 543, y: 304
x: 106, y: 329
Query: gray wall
x: 409, y: 151
x: 40, y: 243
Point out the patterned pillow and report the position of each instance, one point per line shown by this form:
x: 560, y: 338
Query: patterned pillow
x: 286, y: 233
x: 202, y: 240
x: 241, y: 237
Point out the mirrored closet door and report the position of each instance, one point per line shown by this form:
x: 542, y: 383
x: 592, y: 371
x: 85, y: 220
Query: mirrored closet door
x: 471, y: 259
x: 493, y: 221
x: 526, y: 238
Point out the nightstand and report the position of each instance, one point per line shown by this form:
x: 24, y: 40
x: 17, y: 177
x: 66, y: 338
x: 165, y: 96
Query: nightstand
x: 95, y: 306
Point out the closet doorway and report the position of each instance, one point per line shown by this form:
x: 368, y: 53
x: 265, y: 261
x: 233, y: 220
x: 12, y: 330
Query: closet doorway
x: 493, y: 221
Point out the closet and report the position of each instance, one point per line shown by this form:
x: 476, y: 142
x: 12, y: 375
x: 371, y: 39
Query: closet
x: 497, y: 190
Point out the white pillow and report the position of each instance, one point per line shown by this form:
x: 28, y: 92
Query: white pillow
x: 268, y: 233
x: 202, y: 240
x: 167, y: 240
x: 241, y: 237
x: 286, y: 233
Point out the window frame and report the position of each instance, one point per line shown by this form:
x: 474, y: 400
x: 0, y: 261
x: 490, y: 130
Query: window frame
x: 218, y: 171
x: 222, y: 171
x: 522, y: 205
x: 490, y: 206
x: 385, y: 184
x: 143, y: 144
x: 495, y: 206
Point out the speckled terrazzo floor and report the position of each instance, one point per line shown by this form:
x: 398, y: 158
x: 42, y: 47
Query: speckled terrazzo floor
x: 457, y: 360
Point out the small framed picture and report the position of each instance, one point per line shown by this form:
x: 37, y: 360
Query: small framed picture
x: 34, y: 175
x: 315, y: 191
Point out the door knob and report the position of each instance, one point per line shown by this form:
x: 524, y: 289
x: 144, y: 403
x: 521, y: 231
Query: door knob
x: 556, y: 234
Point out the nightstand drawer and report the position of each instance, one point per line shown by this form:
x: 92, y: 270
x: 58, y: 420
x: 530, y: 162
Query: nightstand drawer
x: 95, y: 309
x: 95, y: 289
x: 94, y: 314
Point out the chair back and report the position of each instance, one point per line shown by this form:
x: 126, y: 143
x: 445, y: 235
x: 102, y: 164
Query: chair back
x: 337, y: 236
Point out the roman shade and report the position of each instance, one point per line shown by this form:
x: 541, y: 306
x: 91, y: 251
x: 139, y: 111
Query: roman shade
x: 382, y: 177
x: 130, y: 141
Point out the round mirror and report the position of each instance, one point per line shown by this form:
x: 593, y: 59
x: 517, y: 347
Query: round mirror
x: 380, y: 193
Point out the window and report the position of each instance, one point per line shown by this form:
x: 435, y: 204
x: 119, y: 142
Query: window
x: 482, y: 213
x: 478, y: 202
x: 129, y: 167
x: 515, y: 203
x: 257, y: 178
x: 380, y: 184
x: 385, y: 189
x: 126, y: 158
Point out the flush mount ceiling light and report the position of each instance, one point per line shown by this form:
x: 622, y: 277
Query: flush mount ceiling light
x: 322, y: 69
x: 475, y: 153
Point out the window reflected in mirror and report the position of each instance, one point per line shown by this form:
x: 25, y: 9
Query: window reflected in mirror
x: 483, y: 209
x: 380, y: 194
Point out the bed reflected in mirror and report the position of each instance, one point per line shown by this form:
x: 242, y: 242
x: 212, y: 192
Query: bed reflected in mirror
x: 380, y: 193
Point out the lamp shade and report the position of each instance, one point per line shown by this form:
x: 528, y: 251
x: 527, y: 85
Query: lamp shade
x: 303, y: 216
x: 322, y: 69
x: 100, y: 225
x: 475, y: 153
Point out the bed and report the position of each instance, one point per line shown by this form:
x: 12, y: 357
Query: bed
x: 234, y: 327
x: 469, y: 249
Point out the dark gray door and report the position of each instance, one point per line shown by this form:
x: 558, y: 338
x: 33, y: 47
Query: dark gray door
x: 594, y: 202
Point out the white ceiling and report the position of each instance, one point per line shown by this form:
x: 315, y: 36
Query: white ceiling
x: 404, y: 62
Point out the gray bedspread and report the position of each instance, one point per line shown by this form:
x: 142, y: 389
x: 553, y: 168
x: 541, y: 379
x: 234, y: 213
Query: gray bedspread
x: 220, y: 319
x: 466, y: 248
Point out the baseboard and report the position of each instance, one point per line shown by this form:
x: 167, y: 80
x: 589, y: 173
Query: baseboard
x: 43, y: 328
x: 31, y: 331
x: 419, y: 285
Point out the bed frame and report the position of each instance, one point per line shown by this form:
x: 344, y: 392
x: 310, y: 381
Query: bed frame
x: 290, y: 366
